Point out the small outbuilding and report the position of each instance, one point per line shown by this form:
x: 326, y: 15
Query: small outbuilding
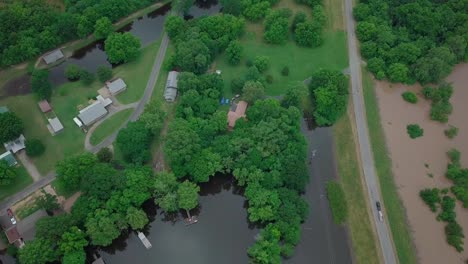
x: 55, y: 126
x: 15, y: 145
x: 9, y: 158
x: 170, y: 93
x: 53, y: 56
x: 116, y: 86
x: 44, y: 106
x: 92, y: 113
x: 237, y: 111
x: 3, y: 109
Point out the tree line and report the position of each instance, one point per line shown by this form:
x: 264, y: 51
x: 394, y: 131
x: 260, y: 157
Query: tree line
x: 29, y: 28
x: 412, y: 41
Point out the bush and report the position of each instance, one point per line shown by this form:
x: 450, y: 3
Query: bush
x: 249, y: 63
x: 234, y: 52
x: 337, y: 202
x: 454, y: 156
x: 104, y: 155
x: 430, y: 197
x: 454, y: 234
x: 414, y: 131
x: 262, y: 63
x: 285, y: 71
x: 409, y: 97
x: 451, y: 132
x: 269, y: 79
x: 86, y: 77
x: 448, y: 209
x: 441, y: 107
x: 34, y: 147
x: 237, y: 84
x: 72, y: 72
x: 299, y: 17
x: 104, y: 73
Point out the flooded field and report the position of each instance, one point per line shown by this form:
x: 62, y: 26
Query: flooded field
x: 421, y: 163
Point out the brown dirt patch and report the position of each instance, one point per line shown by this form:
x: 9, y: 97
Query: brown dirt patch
x: 409, y: 157
x: 17, y: 86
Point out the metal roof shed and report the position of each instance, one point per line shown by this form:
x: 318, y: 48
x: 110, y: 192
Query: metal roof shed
x: 53, y: 56
x: 44, y: 106
x: 170, y: 93
x: 56, y: 125
x: 116, y: 86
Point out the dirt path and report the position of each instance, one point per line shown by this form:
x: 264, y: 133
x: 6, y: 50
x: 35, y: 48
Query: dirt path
x: 29, y: 165
x: 410, y: 156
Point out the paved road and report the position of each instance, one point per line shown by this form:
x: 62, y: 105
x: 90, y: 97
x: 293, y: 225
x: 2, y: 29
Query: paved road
x: 372, y: 183
x: 138, y: 110
x: 322, y: 241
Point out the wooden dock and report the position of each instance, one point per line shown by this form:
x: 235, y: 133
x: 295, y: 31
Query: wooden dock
x: 144, y: 240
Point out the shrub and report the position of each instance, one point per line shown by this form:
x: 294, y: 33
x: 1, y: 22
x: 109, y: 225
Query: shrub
x: 234, y: 52
x: 72, y: 72
x: 448, y: 209
x: 409, y: 97
x: 337, y: 202
x: 249, y: 63
x: 269, y: 79
x: 454, y: 234
x: 104, y: 73
x: 285, y: 71
x: 454, y: 156
x: 414, y: 131
x: 430, y: 197
x: 299, y: 17
x: 237, y: 84
x: 34, y: 147
x: 262, y: 63
x: 86, y: 77
x: 441, y: 107
x: 451, y: 132
x: 104, y: 155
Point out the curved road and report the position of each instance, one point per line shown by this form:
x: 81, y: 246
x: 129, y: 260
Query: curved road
x: 109, y: 140
x: 385, y: 239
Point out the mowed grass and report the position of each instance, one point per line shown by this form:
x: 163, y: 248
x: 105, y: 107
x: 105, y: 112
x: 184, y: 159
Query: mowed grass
x: 364, y: 244
x: 20, y: 182
x: 136, y: 73
x: 110, y: 125
x: 300, y: 60
x: 393, y: 205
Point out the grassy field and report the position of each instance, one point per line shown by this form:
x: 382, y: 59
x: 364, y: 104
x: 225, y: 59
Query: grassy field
x: 360, y: 227
x: 20, y: 182
x: 301, y: 61
x: 395, y: 210
x: 110, y: 125
x: 136, y: 73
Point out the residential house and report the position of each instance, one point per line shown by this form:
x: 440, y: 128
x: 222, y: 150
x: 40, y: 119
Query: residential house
x: 92, y: 113
x: 24, y: 230
x: 15, y: 145
x: 237, y: 111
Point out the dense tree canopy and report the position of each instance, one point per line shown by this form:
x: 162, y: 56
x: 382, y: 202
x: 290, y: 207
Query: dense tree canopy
x: 7, y: 173
x: 277, y: 26
x: 414, y: 41
x: 329, y: 91
x: 72, y: 170
x: 133, y: 141
x: 11, y: 127
x: 122, y: 47
x: 40, y: 84
x: 103, y: 28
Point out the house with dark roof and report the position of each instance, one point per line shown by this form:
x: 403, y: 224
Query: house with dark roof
x: 9, y: 158
x: 92, y: 113
x: 53, y: 56
x: 170, y: 93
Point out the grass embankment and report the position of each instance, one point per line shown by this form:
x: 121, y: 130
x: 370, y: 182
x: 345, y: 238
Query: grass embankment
x: 358, y: 221
x: 337, y: 200
x: 21, y: 181
x: 110, y: 125
x: 395, y: 210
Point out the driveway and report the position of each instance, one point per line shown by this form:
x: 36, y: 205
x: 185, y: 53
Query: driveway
x: 29, y: 165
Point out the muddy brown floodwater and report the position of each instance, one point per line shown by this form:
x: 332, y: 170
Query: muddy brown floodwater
x: 409, y: 157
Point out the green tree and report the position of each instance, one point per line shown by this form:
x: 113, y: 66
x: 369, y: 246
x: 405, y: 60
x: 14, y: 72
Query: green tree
x: 234, y: 52
x: 40, y: 84
x: 104, y: 155
x: 252, y: 91
x: 169, y: 202
x: 54, y: 227
x: 294, y: 96
x: 308, y: 34
x: 73, y: 241
x: 192, y: 56
x: 136, y: 218
x: 7, y: 173
x: 232, y: 7
x: 299, y: 17
x: 34, y: 147
x: 414, y: 131
x: 100, y: 181
x: 188, y: 196
x: 434, y: 66
x: 104, y: 73
x: 71, y: 170
x: 48, y: 202
x: 262, y: 63
x: 263, y: 203
x: 38, y: 251
x: 409, y: 97
x: 337, y: 200
x: 153, y: 117
x: 77, y: 257
x: 122, y: 47
x: 72, y: 72
x: 87, y: 77
x: 103, y: 28
x: 205, y: 164
x: 101, y: 227
x: 134, y: 142
x: 182, y: 5
x: 398, y: 72
x: 266, y: 249
x: 11, y: 127
x: 165, y: 192
x: 430, y: 197
x: 174, y: 25
x: 277, y: 26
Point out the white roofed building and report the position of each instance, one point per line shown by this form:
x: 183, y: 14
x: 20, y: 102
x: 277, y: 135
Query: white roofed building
x: 92, y: 113
x: 116, y: 86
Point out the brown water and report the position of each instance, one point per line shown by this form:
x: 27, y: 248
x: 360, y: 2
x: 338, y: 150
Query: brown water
x: 409, y: 157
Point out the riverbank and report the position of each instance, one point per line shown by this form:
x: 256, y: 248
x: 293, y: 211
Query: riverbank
x: 415, y: 161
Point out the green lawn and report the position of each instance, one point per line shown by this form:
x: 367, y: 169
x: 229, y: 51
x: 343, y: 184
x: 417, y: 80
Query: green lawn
x: 110, y: 125
x: 136, y: 73
x: 395, y: 210
x: 360, y: 227
x: 20, y: 182
x: 301, y: 61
